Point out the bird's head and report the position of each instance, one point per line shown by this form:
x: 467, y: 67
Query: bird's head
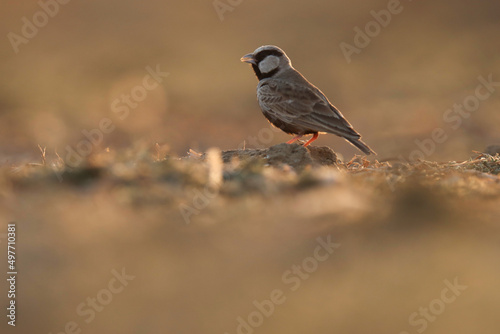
x: 267, y: 61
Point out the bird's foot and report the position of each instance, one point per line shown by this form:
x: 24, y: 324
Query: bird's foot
x: 314, y: 137
x: 294, y: 139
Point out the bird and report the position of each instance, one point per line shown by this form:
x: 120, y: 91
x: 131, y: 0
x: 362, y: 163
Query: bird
x: 293, y: 104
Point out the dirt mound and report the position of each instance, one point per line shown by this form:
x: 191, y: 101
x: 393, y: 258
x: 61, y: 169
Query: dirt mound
x: 294, y: 155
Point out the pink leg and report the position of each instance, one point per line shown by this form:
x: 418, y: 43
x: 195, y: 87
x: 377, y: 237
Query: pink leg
x: 314, y: 137
x: 294, y: 139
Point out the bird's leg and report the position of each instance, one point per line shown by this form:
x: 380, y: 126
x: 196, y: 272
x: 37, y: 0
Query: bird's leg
x: 314, y: 137
x: 294, y: 139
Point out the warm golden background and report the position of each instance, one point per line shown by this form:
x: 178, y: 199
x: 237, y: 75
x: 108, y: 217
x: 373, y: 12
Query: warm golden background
x: 397, y: 89
x: 397, y: 248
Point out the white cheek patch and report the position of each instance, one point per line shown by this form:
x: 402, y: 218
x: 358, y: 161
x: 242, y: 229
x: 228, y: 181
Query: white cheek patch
x: 269, y: 64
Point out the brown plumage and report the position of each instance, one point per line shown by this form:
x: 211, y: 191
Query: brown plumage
x: 292, y: 103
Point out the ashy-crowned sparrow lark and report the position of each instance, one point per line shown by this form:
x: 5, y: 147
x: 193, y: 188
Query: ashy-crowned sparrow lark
x: 292, y: 103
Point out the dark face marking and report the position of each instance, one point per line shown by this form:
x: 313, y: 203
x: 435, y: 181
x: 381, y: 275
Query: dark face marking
x: 261, y: 75
x: 263, y: 54
x: 259, y: 57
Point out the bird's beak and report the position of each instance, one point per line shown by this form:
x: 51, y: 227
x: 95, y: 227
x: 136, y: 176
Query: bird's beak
x: 249, y: 59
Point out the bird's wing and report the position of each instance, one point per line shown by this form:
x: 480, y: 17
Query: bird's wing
x: 302, y: 105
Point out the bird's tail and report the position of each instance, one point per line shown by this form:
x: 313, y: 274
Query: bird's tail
x: 361, y: 146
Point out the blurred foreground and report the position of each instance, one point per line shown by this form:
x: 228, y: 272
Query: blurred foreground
x: 255, y: 245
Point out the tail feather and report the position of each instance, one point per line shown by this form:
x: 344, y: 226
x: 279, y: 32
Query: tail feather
x: 361, y: 146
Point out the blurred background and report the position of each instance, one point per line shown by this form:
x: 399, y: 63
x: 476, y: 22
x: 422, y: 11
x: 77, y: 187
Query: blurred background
x: 64, y: 80
x: 78, y: 73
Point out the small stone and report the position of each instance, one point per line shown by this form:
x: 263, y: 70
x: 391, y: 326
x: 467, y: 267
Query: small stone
x: 323, y: 155
x: 294, y: 155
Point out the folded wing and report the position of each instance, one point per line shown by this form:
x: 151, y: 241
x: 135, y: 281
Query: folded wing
x: 306, y: 108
